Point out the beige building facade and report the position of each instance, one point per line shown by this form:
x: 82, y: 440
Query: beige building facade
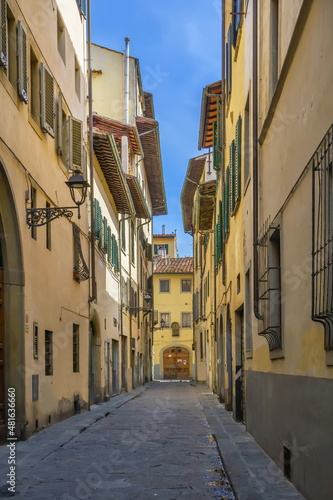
x: 272, y: 285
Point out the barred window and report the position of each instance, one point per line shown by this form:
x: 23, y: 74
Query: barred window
x: 76, y: 338
x: 48, y: 352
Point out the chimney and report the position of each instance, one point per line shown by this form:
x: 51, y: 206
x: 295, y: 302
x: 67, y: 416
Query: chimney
x: 163, y: 229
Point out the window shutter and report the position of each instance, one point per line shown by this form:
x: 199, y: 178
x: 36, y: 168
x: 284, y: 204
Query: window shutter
x: 100, y: 227
x: 75, y: 144
x: 82, y: 5
x: 229, y: 61
x: 227, y: 70
x: 149, y: 252
x: 232, y: 178
x: 113, y: 250
x: 238, y: 157
x: 22, y: 63
x: 167, y: 249
x: 116, y: 255
x: 47, y: 101
x: 215, y: 248
x: 109, y: 243
x: 96, y: 217
x: 60, y: 145
x: 105, y: 234
x: 3, y: 33
x: 226, y: 200
x: 220, y: 239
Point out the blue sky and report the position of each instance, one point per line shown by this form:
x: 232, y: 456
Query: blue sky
x: 178, y: 45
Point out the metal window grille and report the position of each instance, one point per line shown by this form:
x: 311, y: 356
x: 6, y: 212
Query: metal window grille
x: 322, y: 237
x: 35, y: 340
x: 48, y: 352
x: 76, y: 364
x: 270, y: 286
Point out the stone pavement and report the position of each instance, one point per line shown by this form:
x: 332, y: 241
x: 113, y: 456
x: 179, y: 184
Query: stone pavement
x: 253, y: 475
x: 153, y: 443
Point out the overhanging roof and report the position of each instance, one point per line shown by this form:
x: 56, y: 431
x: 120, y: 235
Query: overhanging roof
x: 141, y: 208
x: 150, y: 140
x: 193, y: 175
x: 108, y: 158
x: 207, y: 192
x: 208, y: 114
x: 118, y: 130
x: 149, y: 105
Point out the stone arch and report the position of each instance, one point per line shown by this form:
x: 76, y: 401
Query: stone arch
x: 176, y: 345
x: 14, y: 369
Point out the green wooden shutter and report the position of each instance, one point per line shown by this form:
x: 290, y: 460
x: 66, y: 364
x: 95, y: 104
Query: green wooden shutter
x: 60, y: 137
x: 3, y: 33
x: 105, y: 234
x: 232, y: 178
x: 116, y: 255
x: 215, y: 249
x: 96, y: 218
x: 22, y: 63
x: 215, y: 148
x: 109, y: 243
x: 155, y: 249
x: 47, y: 100
x: 167, y: 249
x: 75, y: 136
x: 238, y: 157
x: 227, y: 200
x: 229, y: 61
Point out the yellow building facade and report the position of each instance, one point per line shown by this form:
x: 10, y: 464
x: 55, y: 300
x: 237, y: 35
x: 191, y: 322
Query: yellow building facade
x: 173, y: 357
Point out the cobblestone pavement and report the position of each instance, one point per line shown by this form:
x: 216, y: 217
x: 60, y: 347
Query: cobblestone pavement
x: 155, y: 445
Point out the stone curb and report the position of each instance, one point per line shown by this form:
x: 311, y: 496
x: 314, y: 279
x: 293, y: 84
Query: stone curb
x: 252, y: 473
x: 40, y: 445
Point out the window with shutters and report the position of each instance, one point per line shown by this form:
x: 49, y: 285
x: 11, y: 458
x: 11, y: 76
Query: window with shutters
x: 238, y: 159
x: 123, y: 235
x: 34, y: 87
x: 82, y: 5
x: 47, y: 101
x: 237, y: 7
x: 186, y: 320
x: 76, y: 345
x: 109, y: 237
x: 105, y: 234
x: 166, y: 318
x: 164, y: 286
x: 232, y: 193
x: 61, y: 38
x: 22, y: 63
x: 48, y: 352
x: 75, y: 142
x: 247, y: 142
x: 62, y: 131
x: 11, y: 48
x: 3, y: 34
x: 186, y: 285
x: 77, y: 75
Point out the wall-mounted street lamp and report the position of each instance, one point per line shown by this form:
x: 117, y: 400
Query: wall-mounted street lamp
x: 78, y: 186
x: 162, y: 325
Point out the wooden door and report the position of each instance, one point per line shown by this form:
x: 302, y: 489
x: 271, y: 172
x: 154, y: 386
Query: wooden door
x: 2, y: 367
x: 115, y: 367
x: 176, y: 362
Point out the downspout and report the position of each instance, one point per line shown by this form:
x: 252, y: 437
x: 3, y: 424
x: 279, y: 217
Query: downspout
x: 255, y: 163
x: 91, y: 161
x: 92, y: 281
x: 127, y: 40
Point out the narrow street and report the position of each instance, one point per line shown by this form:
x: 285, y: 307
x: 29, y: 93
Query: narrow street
x: 156, y: 445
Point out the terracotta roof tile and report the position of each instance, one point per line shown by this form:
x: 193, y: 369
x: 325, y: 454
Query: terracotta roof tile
x: 173, y: 265
x: 164, y: 235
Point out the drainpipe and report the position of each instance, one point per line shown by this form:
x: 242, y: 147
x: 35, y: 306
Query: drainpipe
x: 127, y: 40
x: 255, y: 163
x: 92, y: 282
x: 91, y: 161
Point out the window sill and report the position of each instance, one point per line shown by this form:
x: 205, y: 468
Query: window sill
x: 329, y: 358
x: 278, y: 354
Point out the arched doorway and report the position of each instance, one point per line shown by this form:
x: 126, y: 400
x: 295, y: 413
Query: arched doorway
x: 12, y: 340
x: 176, y: 363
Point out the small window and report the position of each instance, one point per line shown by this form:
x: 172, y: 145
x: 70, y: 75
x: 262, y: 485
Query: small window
x: 48, y: 352
x: 238, y: 284
x: 186, y: 285
x: 132, y: 242
x: 61, y: 36
x: 123, y: 235
x: 34, y: 87
x: 166, y: 319
x: 76, y: 365
x: 201, y: 347
x: 48, y: 230
x: 164, y: 286
x: 186, y: 320
x: 274, y: 42
x: 77, y: 78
